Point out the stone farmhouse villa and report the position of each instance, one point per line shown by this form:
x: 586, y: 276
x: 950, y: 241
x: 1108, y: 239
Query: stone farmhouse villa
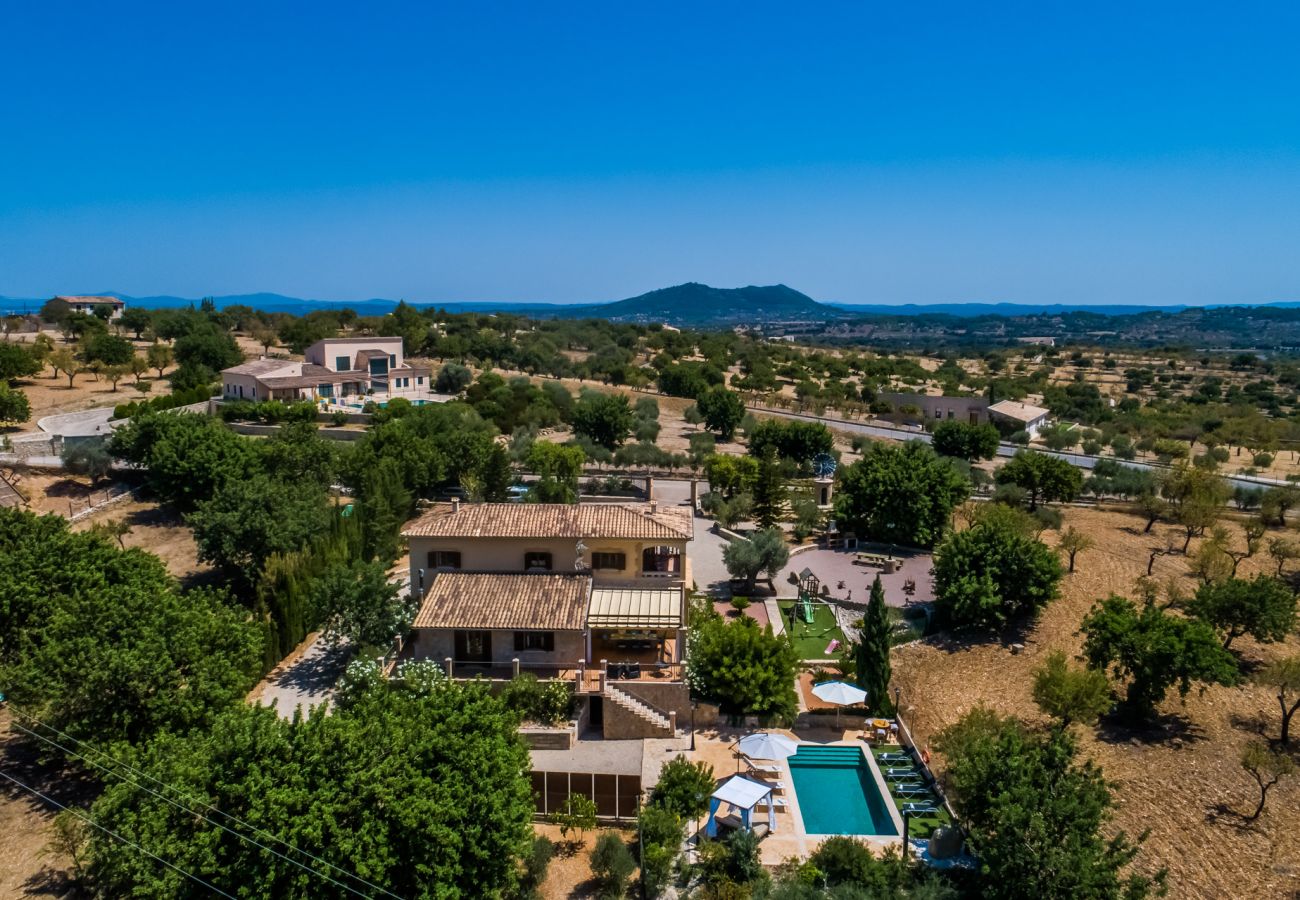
x: 593, y: 593
x: 335, y: 371
x: 87, y: 304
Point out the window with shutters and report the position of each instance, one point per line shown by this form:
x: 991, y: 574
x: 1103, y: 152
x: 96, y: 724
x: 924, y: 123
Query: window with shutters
x: 610, y: 561
x: 444, y: 559
x: 537, y: 560
x: 535, y: 640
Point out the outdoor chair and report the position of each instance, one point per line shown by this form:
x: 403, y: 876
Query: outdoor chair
x: 920, y: 809
x: 889, y: 758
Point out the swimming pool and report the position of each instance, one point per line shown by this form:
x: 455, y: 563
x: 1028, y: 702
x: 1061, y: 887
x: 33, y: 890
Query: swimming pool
x: 839, y: 793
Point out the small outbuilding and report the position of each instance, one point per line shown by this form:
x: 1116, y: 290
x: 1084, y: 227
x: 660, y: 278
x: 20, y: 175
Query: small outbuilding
x: 1023, y: 415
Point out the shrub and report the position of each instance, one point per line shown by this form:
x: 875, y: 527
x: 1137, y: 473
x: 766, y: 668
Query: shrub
x: 684, y: 788
x: 1262, y: 460
x: 846, y: 860
x: 537, y: 860
x: 611, y: 865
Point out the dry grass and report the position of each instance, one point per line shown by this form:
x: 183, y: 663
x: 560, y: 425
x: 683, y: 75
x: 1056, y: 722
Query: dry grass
x: 1180, y: 784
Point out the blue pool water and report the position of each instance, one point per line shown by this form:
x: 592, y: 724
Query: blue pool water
x: 838, y: 793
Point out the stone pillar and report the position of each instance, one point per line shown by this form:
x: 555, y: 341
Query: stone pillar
x: 649, y: 487
x: 449, y: 666
x: 514, y: 667
x: 604, y: 673
x: 695, y: 494
x: 672, y: 721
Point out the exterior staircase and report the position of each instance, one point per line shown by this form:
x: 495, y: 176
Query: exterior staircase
x: 653, y: 723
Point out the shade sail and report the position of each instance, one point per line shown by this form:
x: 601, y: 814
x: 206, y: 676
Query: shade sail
x: 742, y: 792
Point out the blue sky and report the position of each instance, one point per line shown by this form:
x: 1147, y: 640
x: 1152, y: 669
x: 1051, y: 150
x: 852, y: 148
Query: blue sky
x: 940, y: 152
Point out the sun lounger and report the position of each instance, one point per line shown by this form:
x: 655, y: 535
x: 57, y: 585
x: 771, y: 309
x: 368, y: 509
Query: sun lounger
x: 900, y: 772
x: 919, y: 791
x: 919, y: 809
x: 764, y: 769
x: 778, y: 802
x: 892, y: 757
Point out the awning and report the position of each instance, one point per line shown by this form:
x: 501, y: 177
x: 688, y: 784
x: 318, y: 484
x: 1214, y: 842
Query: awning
x: 742, y: 792
x: 631, y: 607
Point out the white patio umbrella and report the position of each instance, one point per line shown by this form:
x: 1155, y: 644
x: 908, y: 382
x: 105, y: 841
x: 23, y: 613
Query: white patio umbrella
x: 841, y: 693
x: 765, y: 745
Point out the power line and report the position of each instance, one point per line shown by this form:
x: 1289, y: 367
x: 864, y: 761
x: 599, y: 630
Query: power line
x: 192, y: 802
x: 113, y: 834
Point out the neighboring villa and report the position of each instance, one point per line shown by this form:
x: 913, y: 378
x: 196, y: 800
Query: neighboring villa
x: 1022, y: 415
x: 594, y: 594
x: 335, y: 371
x: 87, y: 305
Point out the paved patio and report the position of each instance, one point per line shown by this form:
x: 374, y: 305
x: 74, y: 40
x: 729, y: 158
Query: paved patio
x: 835, y: 566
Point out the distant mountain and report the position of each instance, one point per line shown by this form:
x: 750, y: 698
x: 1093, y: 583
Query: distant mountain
x: 699, y: 304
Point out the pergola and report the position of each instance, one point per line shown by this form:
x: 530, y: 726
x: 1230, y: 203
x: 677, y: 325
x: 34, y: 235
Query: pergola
x: 743, y: 794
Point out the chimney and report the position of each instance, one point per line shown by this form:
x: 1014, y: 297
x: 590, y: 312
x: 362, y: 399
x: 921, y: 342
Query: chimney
x: 654, y: 507
x: 455, y: 504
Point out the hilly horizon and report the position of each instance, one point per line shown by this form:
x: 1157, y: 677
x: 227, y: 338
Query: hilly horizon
x: 690, y: 304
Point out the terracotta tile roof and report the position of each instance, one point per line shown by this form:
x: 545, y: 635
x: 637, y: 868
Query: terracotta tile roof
x: 555, y: 601
x: 629, y: 521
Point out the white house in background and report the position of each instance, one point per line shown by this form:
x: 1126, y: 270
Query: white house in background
x: 87, y: 304
x: 1024, y: 415
x: 336, y: 370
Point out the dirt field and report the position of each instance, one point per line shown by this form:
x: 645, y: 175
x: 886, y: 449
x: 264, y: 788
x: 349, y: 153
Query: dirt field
x: 153, y: 528
x: 569, y: 876
x: 28, y: 867
x: 1182, y: 783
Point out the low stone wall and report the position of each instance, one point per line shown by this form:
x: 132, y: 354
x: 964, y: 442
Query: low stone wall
x: 539, y: 738
x: 255, y: 430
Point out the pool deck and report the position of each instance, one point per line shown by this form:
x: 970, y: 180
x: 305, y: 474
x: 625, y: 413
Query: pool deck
x: 789, y: 839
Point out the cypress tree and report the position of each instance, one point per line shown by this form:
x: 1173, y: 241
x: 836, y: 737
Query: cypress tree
x: 770, y: 498
x: 871, y: 655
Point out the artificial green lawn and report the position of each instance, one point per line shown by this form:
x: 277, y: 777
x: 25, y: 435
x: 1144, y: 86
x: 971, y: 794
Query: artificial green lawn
x: 810, y: 640
x: 918, y: 826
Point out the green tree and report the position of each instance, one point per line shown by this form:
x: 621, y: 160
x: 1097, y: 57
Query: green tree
x: 1263, y: 608
x: 684, y: 788
x: 497, y: 475
x: 1154, y: 650
x: 722, y: 411
x: 871, y: 653
x: 731, y: 475
x: 135, y: 319
x: 354, y: 601
x: 900, y: 495
x: 965, y: 441
x: 1267, y: 767
x: 1283, y: 677
x: 449, y: 816
x: 65, y: 361
x: 844, y: 860
x: 1072, y: 543
x: 248, y: 519
x: 452, y: 379
x: 16, y: 361
x: 1036, y: 815
x: 14, y: 407
x: 383, y: 503
x: 1045, y: 479
x: 771, y: 496
x: 99, y: 642
x: 992, y: 573
x: 796, y: 441
x: 576, y: 814
x: 766, y: 552
x: 559, y: 467
x: 207, y: 347
x: 660, y: 838
x: 611, y: 866
x: 185, y: 457
x: 603, y: 418
x: 1070, y: 695
x: 107, y: 348
x: 89, y: 458
x: 744, y: 668
x: 160, y: 356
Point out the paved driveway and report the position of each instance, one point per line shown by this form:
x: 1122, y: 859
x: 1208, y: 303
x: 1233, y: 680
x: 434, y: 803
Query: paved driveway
x: 307, y: 682
x: 705, y: 551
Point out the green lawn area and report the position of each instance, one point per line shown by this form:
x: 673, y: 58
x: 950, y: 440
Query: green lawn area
x: 918, y: 826
x: 810, y: 639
